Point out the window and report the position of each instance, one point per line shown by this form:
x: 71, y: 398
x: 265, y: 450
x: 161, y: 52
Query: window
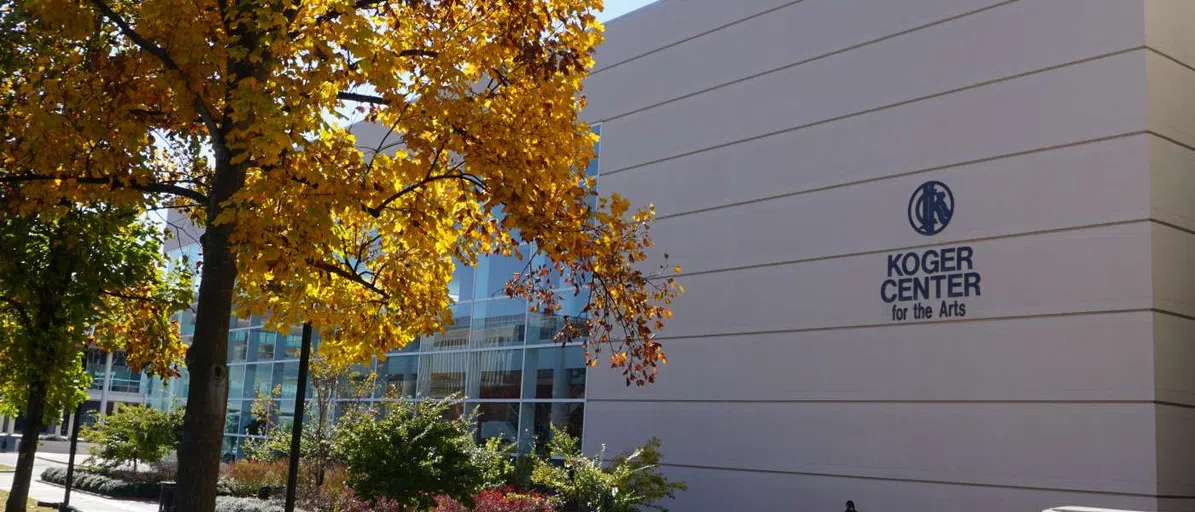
x: 443, y: 374
x: 398, y: 376
x: 499, y: 372
x: 559, y: 372
x: 498, y: 322
x: 499, y: 419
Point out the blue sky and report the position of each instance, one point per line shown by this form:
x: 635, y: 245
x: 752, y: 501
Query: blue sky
x: 616, y: 8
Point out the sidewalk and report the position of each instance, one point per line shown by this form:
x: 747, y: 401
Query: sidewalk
x: 42, y: 491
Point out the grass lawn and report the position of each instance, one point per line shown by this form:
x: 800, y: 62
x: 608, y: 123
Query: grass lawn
x: 4, y: 468
x: 32, y: 504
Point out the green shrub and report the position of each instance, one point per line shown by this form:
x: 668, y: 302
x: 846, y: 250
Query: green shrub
x: 95, y: 482
x: 414, y: 453
x: 133, y: 434
x: 234, y: 504
x: 628, y: 483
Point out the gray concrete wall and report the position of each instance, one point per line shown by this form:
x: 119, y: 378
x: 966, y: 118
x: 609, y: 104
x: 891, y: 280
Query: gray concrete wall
x: 781, y: 142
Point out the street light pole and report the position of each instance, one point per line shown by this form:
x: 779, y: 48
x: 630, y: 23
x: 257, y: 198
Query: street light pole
x: 292, y: 476
x: 76, y: 423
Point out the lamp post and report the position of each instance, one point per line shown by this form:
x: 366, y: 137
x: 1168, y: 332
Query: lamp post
x: 292, y: 476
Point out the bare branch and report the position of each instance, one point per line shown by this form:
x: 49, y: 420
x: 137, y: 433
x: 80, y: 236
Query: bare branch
x: 361, y: 98
x: 155, y: 188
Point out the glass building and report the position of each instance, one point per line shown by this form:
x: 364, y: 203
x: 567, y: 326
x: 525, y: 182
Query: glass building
x: 497, y: 355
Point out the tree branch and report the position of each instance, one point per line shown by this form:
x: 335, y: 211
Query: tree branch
x: 327, y: 267
x: 361, y: 98
x: 126, y: 296
x: 359, y: 4
x: 154, y: 188
x: 20, y: 309
x: 376, y: 211
x: 205, y: 113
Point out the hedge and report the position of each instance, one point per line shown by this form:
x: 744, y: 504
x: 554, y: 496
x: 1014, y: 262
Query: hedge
x: 102, y: 484
x: 232, y: 504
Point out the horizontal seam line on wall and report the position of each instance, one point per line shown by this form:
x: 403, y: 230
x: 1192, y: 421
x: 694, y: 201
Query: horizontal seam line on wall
x: 1175, y: 227
x: 904, y: 174
x: 872, y: 110
x: 899, y: 401
x: 804, y: 61
x: 695, y: 36
x: 1171, y: 140
x: 1170, y: 57
x: 1080, y: 227
x: 925, y: 481
x: 915, y: 323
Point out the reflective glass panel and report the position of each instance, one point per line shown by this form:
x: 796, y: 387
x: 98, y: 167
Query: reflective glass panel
x: 492, y: 274
x: 543, y: 326
x: 442, y: 375
x: 567, y: 415
x: 498, y: 419
x: 455, y: 335
x: 558, y: 372
x: 498, y: 322
x: 398, y: 376
x: 232, y: 421
x: 265, y: 342
x: 289, y: 378
x: 238, y: 345
x: 498, y: 373
x: 461, y: 286
x: 236, y: 381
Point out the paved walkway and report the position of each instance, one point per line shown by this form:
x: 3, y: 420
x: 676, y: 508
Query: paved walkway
x: 42, y: 491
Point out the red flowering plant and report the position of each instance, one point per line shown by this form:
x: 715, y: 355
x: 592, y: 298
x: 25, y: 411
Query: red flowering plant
x: 498, y: 500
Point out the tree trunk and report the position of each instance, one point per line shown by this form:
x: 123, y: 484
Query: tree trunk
x: 34, y: 412
x: 207, y: 398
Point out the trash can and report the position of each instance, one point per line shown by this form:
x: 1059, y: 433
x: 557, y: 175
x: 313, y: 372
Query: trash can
x: 166, y: 498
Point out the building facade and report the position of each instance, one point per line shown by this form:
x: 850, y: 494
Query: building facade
x: 937, y: 252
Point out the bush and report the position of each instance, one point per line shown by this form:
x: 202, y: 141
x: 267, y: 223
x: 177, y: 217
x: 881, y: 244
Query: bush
x: 628, y: 483
x: 498, y: 500
x: 107, y: 485
x: 349, y: 502
x: 133, y: 434
x: 413, y: 454
x: 253, y: 479
x: 234, y: 504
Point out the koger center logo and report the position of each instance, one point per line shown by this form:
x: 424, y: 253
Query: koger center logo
x: 931, y: 282
x: 931, y: 208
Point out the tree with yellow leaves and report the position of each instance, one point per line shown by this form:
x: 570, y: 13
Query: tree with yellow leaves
x: 228, y: 109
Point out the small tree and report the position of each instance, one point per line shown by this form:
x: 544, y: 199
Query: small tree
x: 414, y: 453
x: 133, y: 434
x: 331, y: 381
x: 628, y: 483
x: 73, y: 275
